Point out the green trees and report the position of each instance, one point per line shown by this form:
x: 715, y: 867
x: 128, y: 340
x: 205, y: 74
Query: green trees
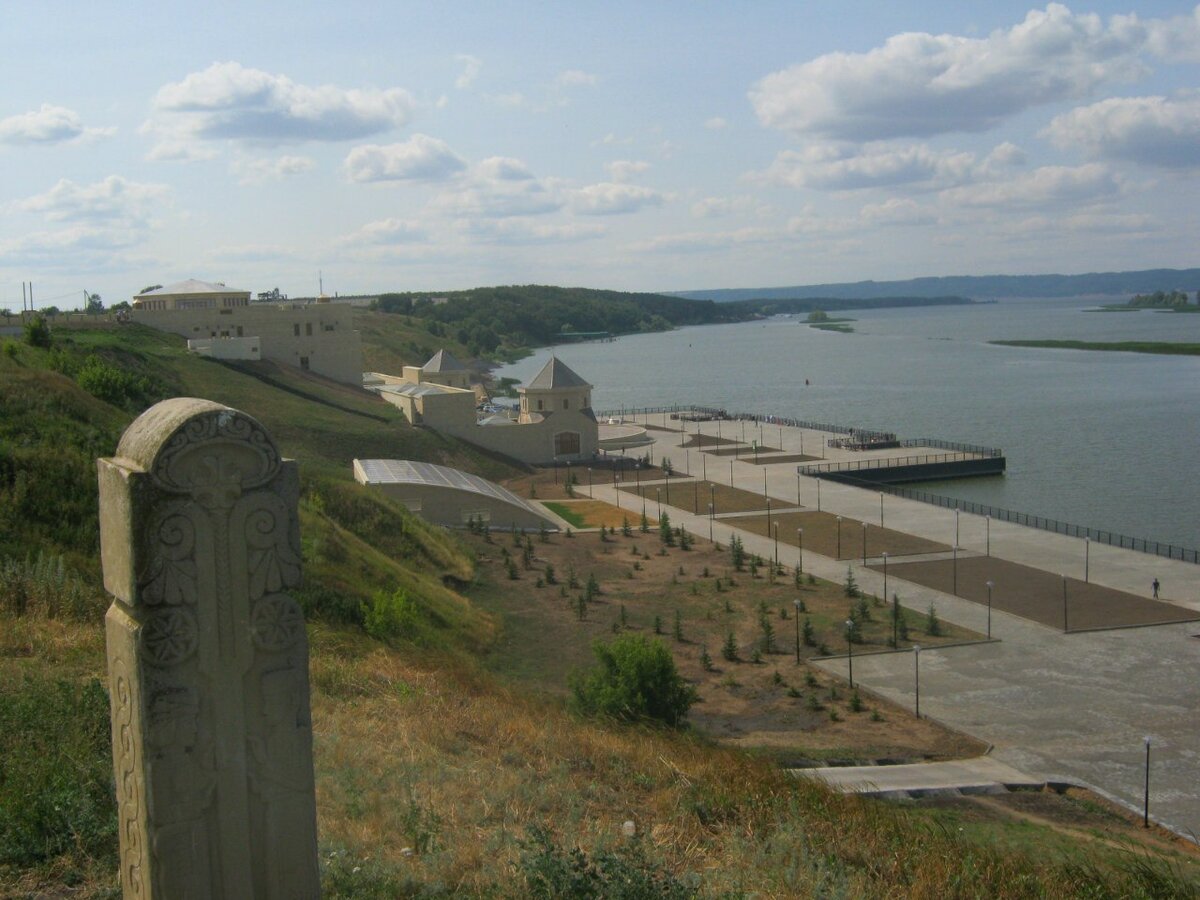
x: 635, y: 679
x: 37, y: 332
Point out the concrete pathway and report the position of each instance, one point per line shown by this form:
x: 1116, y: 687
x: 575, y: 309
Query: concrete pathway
x: 969, y: 776
x: 1073, y: 708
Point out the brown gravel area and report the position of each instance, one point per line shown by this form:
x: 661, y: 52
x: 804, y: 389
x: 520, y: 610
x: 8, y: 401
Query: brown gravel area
x: 1038, y: 595
x: 820, y: 535
x: 743, y: 451
x: 764, y: 460
x: 695, y: 496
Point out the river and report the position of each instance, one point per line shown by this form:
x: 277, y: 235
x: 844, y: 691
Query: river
x: 1107, y: 440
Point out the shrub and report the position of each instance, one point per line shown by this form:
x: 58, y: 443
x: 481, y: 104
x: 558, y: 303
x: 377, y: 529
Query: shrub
x: 636, y: 679
x: 37, y: 332
x: 390, y: 616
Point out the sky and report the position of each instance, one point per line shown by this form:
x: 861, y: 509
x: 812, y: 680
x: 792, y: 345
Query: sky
x: 375, y: 147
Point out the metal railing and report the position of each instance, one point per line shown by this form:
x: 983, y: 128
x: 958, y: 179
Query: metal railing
x: 858, y: 465
x: 1042, y: 523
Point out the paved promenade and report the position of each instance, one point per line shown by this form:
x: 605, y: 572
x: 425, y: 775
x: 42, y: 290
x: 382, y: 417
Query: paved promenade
x: 1058, y: 707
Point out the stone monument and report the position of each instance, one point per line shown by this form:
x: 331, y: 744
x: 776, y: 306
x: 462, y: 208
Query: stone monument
x: 207, y: 659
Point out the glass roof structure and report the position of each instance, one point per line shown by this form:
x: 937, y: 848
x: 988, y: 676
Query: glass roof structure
x: 404, y: 471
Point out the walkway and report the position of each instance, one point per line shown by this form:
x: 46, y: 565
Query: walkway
x: 1060, y: 707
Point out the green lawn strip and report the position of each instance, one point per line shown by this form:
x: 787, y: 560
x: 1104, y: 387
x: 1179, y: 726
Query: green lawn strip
x: 1162, y: 347
x: 564, y: 512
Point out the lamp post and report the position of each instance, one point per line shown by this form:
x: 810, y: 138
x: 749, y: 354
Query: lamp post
x: 839, y: 537
x: 800, y: 550
x: 1064, y: 583
x: 712, y: 498
x: 798, y: 489
x: 991, y: 584
x: 895, y: 617
x: 589, y: 482
x: 764, y: 482
x: 731, y: 472
x: 955, y: 576
x: 850, y: 650
x: 658, y: 498
x: 881, y: 509
x: 1146, y: 793
x: 775, y: 529
x: 988, y: 524
x: 956, y: 527
x: 710, y: 523
x: 864, y: 543
x: 796, y: 603
x: 818, y: 493
x: 703, y: 466
x: 917, y: 678
x: 617, y: 486
x: 768, y: 512
x: 1087, y: 557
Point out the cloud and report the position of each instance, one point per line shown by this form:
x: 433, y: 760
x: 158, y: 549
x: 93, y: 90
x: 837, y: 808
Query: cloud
x: 715, y: 207
x: 250, y: 253
x: 898, y: 211
x: 1113, y: 223
x: 625, y: 169
x: 574, y: 78
x: 697, y: 241
x: 471, y: 67
x: 47, y: 125
x: 716, y: 123
x: 228, y: 101
x: 74, y: 244
x: 1149, y: 131
x: 257, y: 171
x: 113, y: 200
x: 1044, y: 188
x: 385, y: 232
x: 612, y: 198
x: 525, y: 231
x: 843, y: 167
x: 498, y: 187
x: 420, y: 158
x: 919, y: 85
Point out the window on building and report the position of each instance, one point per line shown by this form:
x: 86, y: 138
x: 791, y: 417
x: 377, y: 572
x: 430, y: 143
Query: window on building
x: 566, y: 403
x: 566, y: 443
x: 296, y: 329
x: 308, y: 328
x: 239, y: 328
x: 540, y: 406
x: 304, y: 363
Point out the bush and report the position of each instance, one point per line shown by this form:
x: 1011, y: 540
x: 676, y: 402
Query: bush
x: 390, y: 616
x: 37, y: 332
x: 636, y: 679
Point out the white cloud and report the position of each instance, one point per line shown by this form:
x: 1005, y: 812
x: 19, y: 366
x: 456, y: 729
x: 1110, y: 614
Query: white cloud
x: 715, y: 207
x: 113, y: 199
x: 250, y: 253
x: 525, y: 231
x: 844, y: 167
x: 73, y: 244
x: 697, y: 241
x: 574, y: 78
x: 1113, y: 223
x: 471, y: 67
x: 386, y: 231
x: 716, y: 123
x: 228, y: 101
x: 1177, y: 38
x: 922, y: 84
x: 256, y: 171
x: 611, y: 198
x: 898, y: 211
x: 498, y: 187
x: 420, y: 158
x: 511, y: 100
x: 1043, y: 188
x: 1150, y: 131
x: 47, y: 125
x: 625, y: 169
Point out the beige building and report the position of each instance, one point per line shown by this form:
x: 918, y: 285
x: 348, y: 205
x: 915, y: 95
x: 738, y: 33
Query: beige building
x: 555, y: 423
x: 317, y: 337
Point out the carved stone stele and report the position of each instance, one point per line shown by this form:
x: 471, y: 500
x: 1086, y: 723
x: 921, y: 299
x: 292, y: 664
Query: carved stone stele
x: 207, y: 659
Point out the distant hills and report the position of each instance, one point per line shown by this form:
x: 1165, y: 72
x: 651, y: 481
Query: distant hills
x: 977, y: 287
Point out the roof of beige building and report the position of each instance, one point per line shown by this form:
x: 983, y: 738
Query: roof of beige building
x: 193, y: 286
x: 443, y: 361
x: 555, y: 374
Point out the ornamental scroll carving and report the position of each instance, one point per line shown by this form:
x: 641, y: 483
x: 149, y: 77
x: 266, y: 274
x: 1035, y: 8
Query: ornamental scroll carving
x: 208, y: 658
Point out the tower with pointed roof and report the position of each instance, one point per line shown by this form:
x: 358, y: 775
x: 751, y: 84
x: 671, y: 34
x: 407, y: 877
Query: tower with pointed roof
x: 560, y: 400
x: 443, y: 368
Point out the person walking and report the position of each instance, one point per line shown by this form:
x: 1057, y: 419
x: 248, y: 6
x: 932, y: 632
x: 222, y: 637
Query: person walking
x: 1155, y: 585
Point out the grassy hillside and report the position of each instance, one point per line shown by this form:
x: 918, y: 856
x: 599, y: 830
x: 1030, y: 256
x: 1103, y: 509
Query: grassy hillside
x: 435, y: 778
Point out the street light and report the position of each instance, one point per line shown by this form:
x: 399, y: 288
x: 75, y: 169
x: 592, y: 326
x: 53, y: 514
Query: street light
x: 956, y: 527
x: 1146, y: 794
x: 917, y: 677
x: 775, y: 528
x: 800, y: 550
x: 589, y: 482
x: 797, y: 605
x: 658, y: 498
x: 1087, y: 557
x: 988, y: 522
x: 895, y: 617
x: 839, y: 537
x: 955, y: 589
x: 1064, y: 582
x: 818, y: 493
x: 864, y: 543
x: 798, y: 503
x: 617, y: 486
x: 850, y: 649
x: 881, y: 509
x: 990, y: 585
x: 710, y: 523
x: 768, y: 512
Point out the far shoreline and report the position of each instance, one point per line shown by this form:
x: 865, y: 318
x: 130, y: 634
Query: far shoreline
x: 1163, y: 348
